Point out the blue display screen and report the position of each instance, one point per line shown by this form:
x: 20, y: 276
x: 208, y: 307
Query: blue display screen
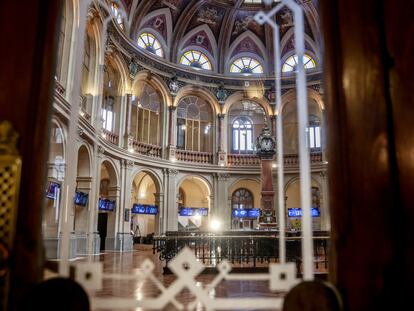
x: 192, y: 211
x: 52, y: 189
x: 297, y: 212
x: 106, y: 204
x: 144, y: 209
x: 81, y: 198
x: 246, y: 213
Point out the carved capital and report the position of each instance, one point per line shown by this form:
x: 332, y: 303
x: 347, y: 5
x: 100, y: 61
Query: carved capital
x: 172, y: 108
x: 221, y: 116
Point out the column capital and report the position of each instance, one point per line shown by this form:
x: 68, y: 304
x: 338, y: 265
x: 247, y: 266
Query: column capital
x: 273, y: 117
x: 221, y: 116
x: 172, y: 108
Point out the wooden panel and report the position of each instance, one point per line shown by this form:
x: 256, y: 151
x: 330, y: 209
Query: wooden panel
x: 370, y: 221
x: 27, y: 53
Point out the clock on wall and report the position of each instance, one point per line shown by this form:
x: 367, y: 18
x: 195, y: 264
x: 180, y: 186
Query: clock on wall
x: 265, y: 144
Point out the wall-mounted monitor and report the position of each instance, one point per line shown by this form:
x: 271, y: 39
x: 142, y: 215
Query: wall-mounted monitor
x: 52, y: 189
x: 193, y: 211
x: 144, y: 209
x: 246, y: 213
x: 106, y: 204
x: 297, y: 212
x: 81, y: 198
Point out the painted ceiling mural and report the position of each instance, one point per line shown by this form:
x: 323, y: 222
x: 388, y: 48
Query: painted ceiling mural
x: 223, y: 28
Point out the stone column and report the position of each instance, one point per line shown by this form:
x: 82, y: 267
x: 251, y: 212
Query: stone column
x: 222, y: 211
x: 127, y: 141
x: 84, y: 184
x: 171, y: 131
x: 124, y: 241
x: 221, y: 153
x: 159, y: 221
x: 171, y: 210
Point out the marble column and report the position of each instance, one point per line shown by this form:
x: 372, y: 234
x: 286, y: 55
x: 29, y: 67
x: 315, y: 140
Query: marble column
x: 171, y: 210
x: 94, y: 239
x: 124, y: 241
x: 159, y: 221
x: 223, y: 210
x: 127, y: 141
x: 221, y: 154
x: 171, y: 131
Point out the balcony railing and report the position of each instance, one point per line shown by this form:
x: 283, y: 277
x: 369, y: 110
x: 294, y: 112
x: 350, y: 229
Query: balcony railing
x: 147, y: 149
x: 111, y: 137
x: 242, y: 159
x: 252, y: 159
x: 194, y: 156
x: 293, y: 159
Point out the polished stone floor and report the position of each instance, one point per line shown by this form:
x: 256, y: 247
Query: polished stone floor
x: 137, y: 288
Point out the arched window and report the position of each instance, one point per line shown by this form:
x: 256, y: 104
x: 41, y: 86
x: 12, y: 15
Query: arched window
x: 109, y: 109
x: 196, y: 60
x: 145, y: 116
x: 194, y: 124
x: 314, y: 134
x: 86, y: 63
x: 246, y: 65
x: 292, y: 62
x: 118, y: 17
x: 148, y: 42
x: 242, y: 199
x: 61, y: 44
x: 108, y: 113
x: 242, y: 135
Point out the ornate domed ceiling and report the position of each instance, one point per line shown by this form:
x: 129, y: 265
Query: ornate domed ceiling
x: 221, y: 30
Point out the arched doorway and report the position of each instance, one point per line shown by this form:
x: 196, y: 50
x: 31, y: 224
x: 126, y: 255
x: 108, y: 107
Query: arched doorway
x: 293, y: 206
x: 193, y: 204
x: 145, y: 202
x: 107, y: 206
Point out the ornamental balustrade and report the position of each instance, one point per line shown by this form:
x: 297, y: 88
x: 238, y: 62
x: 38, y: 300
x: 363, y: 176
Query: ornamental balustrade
x: 194, y: 156
x: 110, y: 137
x: 147, y: 149
x: 252, y: 160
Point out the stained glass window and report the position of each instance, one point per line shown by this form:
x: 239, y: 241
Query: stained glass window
x: 246, y: 65
x: 292, y: 62
x: 148, y: 42
x: 196, y: 60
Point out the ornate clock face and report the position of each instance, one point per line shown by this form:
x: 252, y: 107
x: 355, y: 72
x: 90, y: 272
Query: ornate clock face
x: 267, y: 144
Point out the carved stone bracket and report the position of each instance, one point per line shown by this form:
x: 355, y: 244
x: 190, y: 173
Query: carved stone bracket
x: 223, y: 176
x: 172, y: 172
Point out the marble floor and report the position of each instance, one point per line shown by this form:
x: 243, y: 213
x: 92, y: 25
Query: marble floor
x: 137, y: 288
